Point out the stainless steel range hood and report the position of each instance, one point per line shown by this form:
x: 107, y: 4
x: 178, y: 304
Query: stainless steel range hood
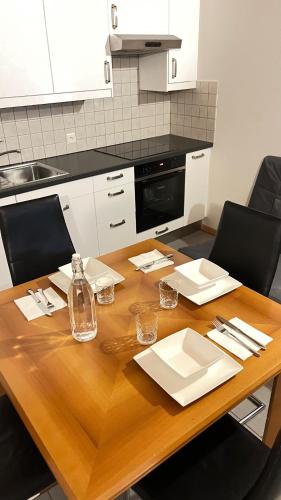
x: 142, y: 44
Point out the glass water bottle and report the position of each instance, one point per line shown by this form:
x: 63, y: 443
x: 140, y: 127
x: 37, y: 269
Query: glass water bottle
x: 81, y: 303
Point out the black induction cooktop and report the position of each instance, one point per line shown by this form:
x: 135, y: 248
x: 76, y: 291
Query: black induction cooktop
x: 140, y: 149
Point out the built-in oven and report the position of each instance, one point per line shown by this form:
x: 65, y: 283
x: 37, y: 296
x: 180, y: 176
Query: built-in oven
x: 159, y: 192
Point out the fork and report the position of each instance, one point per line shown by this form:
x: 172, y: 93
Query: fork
x: 48, y: 303
x: 218, y: 326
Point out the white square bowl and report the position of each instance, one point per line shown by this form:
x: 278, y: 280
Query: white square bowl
x: 93, y: 269
x: 201, y: 272
x: 188, y: 353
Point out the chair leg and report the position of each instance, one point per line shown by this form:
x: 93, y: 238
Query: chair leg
x: 42, y: 492
x: 260, y: 406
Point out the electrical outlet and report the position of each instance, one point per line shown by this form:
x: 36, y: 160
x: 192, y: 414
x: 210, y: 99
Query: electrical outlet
x: 71, y: 138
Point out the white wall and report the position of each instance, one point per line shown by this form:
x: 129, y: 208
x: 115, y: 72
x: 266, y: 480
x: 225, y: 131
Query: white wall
x: 240, y: 46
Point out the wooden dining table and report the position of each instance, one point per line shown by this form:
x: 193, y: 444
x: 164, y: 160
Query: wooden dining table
x: 99, y: 420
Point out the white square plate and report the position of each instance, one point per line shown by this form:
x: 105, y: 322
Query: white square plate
x: 187, y: 353
x: 201, y: 272
x: 201, y: 295
x: 181, y: 389
x: 93, y: 270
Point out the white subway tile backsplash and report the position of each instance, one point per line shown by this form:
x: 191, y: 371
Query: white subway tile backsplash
x: 68, y: 120
x: 61, y: 148
x: 35, y: 125
x: 58, y: 123
x: 15, y: 157
x: 27, y: 154
x: 38, y: 152
x: 196, y: 118
x: 10, y: 129
x: 12, y: 142
x: 40, y: 131
x: 20, y: 113
x: 46, y: 123
x: 59, y: 136
x: 24, y: 142
x: 7, y: 115
x: 22, y: 127
x: 37, y: 139
x: 32, y: 112
x: 48, y: 137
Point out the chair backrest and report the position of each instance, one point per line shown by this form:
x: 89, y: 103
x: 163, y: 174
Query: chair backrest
x: 35, y: 238
x: 247, y: 245
x: 268, y: 485
x: 266, y: 194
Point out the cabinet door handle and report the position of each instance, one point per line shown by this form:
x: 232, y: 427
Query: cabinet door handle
x: 116, y: 194
x: 162, y: 231
x: 194, y: 157
x: 118, y: 224
x: 174, y: 67
x: 66, y: 207
x: 119, y: 176
x: 114, y: 16
x: 107, y: 72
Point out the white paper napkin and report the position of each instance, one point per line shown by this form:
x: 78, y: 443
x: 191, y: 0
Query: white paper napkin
x: 30, y: 309
x: 233, y: 346
x: 145, y: 258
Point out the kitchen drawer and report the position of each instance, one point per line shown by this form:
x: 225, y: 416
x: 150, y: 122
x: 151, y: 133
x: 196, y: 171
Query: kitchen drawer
x: 72, y: 189
x: 115, y: 202
x: 113, y: 179
x: 157, y: 231
x: 119, y: 233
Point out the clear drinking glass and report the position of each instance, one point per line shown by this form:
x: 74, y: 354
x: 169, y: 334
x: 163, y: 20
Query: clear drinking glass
x: 168, y: 296
x: 105, y: 289
x: 146, y: 327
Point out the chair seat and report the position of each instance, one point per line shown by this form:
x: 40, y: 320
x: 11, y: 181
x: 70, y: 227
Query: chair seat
x: 23, y: 471
x: 222, y: 463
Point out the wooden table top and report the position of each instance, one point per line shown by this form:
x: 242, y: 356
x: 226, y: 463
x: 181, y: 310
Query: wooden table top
x: 99, y: 420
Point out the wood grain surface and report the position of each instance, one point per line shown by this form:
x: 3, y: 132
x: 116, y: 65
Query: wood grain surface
x: 99, y: 420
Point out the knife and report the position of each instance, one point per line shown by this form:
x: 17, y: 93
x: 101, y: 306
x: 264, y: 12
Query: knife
x: 156, y: 261
x: 40, y: 304
x: 238, y: 330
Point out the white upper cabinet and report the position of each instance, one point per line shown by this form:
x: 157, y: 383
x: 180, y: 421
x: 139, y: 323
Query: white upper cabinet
x: 148, y: 17
x: 175, y: 69
x: 78, y: 37
x: 184, y: 23
x: 53, y: 51
x: 24, y: 58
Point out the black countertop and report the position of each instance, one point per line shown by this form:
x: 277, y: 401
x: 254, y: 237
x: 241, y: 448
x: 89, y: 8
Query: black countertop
x: 92, y: 162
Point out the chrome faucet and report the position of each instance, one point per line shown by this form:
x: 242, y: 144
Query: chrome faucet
x: 10, y: 151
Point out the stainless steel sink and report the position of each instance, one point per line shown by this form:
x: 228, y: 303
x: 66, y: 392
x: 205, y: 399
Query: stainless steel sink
x: 25, y: 173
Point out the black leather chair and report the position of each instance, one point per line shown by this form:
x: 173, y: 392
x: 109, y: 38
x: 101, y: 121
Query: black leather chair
x: 226, y: 462
x: 23, y: 471
x: 36, y: 242
x: 247, y: 245
x: 266, y: 194
x: 35, y: 237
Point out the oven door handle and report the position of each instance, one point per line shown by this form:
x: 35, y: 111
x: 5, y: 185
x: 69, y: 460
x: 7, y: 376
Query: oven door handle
x: 160, y: 174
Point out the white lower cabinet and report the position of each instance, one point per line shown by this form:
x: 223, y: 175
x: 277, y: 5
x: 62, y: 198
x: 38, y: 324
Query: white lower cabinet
x: 115, y: 209
x: 78, y: 205
x: 5, y: 277
x: 119, y: 233
x: 196, y: 186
